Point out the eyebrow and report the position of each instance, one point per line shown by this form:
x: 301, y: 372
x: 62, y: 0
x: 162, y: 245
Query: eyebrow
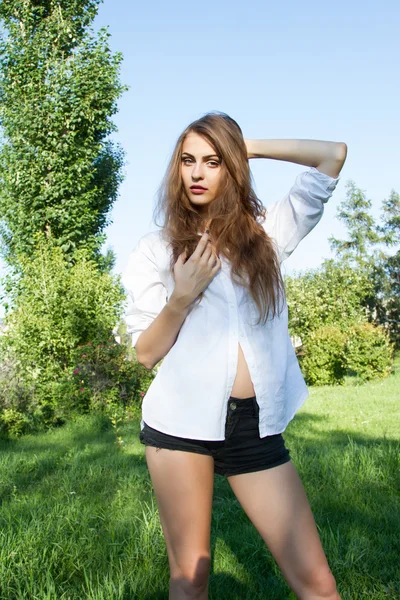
x: 208, y: 156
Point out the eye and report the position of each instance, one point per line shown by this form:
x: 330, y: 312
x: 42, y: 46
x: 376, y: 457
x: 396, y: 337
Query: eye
x: 212, y: 163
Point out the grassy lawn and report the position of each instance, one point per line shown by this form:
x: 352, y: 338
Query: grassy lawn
x: 78, y: 519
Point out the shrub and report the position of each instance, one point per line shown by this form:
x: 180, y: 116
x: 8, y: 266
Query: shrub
x: 323, y: 360
x: 104, y: 376
x: 18, y: 409
x: 368, y: 351
x: 61, y: 313
x: 334, y: 294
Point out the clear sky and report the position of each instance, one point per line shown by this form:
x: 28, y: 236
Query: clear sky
x: 290, y: 70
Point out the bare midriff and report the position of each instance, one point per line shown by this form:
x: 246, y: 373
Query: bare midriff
x: 242, y: 386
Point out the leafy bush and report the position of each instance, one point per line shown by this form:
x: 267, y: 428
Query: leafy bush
x: 323, y: 361
x: 104, y: 376
x: 61, y: 313
x: 334, y: 294
x: 361, y: 349
x: 368, y: 351
x: 19, y: 412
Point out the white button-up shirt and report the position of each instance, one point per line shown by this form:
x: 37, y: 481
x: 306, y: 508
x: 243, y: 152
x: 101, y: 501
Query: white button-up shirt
x: 189, y: 394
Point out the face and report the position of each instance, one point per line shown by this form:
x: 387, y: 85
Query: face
x: 200, y: 166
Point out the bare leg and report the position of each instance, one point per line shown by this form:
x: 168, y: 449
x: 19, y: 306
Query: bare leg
x: 276, y: 503
x: 183, y: 484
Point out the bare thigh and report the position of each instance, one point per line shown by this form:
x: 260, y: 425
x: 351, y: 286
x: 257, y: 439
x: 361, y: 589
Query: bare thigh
x: 183, y: 485
x: 276, y: 503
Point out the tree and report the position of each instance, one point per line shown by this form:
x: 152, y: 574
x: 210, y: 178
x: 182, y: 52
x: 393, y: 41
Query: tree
x: 361, y: 227
x: 59, y: 176
x: 59, y: 84
x: 390, y: 229
x: 383, y: 301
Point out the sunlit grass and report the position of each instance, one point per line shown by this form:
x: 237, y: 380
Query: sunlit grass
x: 78, y: 518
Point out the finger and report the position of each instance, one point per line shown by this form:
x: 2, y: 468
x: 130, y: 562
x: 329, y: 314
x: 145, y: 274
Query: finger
x: 217, y: 265
x: 201, y: 246
x: 183, y: 255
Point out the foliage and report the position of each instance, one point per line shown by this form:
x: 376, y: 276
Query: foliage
x: 104, y: 380
x: 58, y: 306
x: 331, y: 353
x: 323, y: 363
x: 386, y: 275
x: 383, y: 301
x: 57, y: 309
x: 368, y: 351
x: 102, y: 370
x: 390, y: 230
x: 58, y: 89
x: 19, y: 411
x: 333, y: 294
x: 355, y: 213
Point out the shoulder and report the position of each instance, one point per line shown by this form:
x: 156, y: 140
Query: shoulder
x: 153, y: 240
x: 153, y: 248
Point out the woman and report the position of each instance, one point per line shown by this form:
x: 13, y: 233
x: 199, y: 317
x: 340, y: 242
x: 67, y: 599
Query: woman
x: 214, y: 309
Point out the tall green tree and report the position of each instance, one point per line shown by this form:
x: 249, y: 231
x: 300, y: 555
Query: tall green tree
x: 59, y: 86
x: 390, y: 216
x: 363, y: 248
x: 355, y: 213
x: 59, y: 177
x: 387, y: 269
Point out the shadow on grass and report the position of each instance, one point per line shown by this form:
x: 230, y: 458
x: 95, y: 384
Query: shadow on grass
x: 220, y: 583
x: 74, y: 448
x: 352, y: 482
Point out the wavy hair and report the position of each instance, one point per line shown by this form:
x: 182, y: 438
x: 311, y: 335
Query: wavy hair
x: 232, y: 216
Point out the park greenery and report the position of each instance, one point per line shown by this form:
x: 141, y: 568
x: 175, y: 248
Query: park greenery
x: 59, y: 177
x: 347, y: 312
x: 78, y: 517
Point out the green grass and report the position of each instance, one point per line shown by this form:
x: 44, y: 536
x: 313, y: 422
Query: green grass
x: 78, y: 518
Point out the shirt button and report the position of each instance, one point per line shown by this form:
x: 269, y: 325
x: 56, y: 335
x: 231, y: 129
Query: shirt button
x: 233, y: 405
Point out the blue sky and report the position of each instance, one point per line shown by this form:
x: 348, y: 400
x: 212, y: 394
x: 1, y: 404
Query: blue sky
x: 292, y: 70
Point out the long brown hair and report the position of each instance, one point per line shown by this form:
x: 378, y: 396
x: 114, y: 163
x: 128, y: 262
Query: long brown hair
x: 233, y: 214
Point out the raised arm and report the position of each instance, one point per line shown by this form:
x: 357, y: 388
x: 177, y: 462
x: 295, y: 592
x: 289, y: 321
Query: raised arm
x: 290, y: 219
x: 327, y: 157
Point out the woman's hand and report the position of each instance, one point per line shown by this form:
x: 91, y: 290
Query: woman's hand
x: 193, y: 275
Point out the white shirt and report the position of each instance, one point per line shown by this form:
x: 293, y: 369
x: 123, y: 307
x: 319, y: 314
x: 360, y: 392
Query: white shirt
x: 188, y: 396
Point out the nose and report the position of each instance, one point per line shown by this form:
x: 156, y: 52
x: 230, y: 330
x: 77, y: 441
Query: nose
x: 197, y: 171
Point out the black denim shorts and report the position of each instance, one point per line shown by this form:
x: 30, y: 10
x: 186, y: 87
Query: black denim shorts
x: 242, y: 450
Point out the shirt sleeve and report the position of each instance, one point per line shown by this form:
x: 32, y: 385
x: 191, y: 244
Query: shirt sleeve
x: 289, y: 220
x: 146, y: 294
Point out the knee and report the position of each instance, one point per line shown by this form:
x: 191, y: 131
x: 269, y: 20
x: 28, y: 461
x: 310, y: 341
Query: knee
x: 191, y: 577
x: 322, y: 585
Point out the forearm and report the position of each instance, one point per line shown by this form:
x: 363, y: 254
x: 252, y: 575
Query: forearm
x: 310, y: 153
x: 157, y: 340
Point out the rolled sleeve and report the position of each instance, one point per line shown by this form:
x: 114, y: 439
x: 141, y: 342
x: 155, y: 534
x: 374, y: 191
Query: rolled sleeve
x: 289, y: 220
x: 146, y: 294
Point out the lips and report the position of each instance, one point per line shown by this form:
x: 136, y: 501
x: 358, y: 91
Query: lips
x: 198, y: 187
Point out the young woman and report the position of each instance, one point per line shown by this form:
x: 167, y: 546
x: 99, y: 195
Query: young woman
x: 213, y: 307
